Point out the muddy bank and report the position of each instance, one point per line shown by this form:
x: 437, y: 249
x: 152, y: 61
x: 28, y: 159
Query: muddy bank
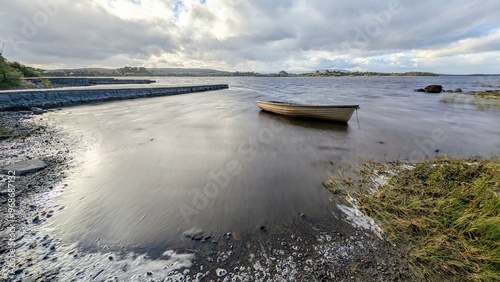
x: 305, y: 249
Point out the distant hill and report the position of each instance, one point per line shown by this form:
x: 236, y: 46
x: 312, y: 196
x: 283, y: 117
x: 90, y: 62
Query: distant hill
x: 162, y: 71
x: 135, y: 71
x: 82, y: 70
x: 142, y: 71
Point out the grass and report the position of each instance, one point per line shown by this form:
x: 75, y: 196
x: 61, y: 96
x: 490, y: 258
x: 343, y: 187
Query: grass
x: 489, y: 94
x: 445, y: 213
x: 481, y: 99
x: 5, y: 132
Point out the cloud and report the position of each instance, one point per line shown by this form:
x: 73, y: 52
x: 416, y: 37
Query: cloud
x: 394, y: 35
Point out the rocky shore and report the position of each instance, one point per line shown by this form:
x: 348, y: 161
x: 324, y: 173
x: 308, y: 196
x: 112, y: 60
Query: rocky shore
x: 34, y: 162
x: 307, y: 249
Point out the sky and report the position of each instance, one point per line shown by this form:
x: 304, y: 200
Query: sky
x: 442, y: 36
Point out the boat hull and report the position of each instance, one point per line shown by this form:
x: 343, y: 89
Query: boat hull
x: 340, y: 113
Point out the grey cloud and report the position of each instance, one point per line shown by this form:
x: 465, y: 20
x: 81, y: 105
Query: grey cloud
x: 83, y: 31
x: 269, y: 33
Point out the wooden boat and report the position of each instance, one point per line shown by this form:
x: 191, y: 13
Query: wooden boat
x: 340, y: 113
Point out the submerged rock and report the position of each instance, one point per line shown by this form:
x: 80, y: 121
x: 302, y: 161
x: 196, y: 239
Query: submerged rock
x: 194, y: 234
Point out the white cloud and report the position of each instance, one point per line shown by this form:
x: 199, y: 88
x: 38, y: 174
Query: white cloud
x: 486, y: 43
x: 259, y: 35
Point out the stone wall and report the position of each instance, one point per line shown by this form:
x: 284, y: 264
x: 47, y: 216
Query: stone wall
x: 19, y: 100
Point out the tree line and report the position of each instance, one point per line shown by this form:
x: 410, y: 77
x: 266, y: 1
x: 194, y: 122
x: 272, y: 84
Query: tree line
x: 12, y: 73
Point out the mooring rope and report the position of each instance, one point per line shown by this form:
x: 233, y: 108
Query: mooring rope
x: 357, y: 119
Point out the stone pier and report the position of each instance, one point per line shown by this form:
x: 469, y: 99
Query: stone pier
x: 53, y: 98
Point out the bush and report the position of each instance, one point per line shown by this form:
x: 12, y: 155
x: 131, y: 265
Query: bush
x: 9, y: 77
x: 25, y: 70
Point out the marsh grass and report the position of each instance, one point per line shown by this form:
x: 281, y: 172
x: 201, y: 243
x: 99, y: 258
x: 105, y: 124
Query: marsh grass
x: 454, y: 98
x: 5, y: 132
x: 489, y: 94
x: 445, y: 213
x: 481, y: 100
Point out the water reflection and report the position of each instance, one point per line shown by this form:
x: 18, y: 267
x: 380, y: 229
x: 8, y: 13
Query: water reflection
x: 214, y: 161
x: 306, y: 122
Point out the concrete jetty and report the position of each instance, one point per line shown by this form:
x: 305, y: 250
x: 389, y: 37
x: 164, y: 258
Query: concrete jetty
x: 53, y: 98
x: 88, y: 81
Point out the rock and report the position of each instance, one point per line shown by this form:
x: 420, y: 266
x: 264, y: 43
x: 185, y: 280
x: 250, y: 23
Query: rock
x: 419, y: 90
x: 434, y: 88
x: 457, y: 90
x: 24, y: 167
x: 449, y: 91
x: 199, y: 276
x: 198, y: 237
x: 194, y: 234
x: 36, y: 220
x: 221, y: 272
x: 38, y: 111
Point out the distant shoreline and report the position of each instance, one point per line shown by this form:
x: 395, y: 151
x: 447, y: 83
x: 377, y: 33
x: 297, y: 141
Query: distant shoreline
x: 143, y: 72
x: 251, y: 74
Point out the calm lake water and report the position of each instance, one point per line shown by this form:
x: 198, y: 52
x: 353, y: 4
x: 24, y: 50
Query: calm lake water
x: 213, y: 161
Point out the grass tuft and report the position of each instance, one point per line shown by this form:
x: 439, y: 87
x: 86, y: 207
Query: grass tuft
x: 5, y: 132
x: 482, y: 100
x: 447, y: 213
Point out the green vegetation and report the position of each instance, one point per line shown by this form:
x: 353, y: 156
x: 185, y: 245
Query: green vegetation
x: 25, y: 70
x: 12, y: 73
x: 45, y: 81
x: 445, y: 213
x: 5, y: 132
x: 481, y: 99
x: 134, y: 71
x: 368, y: 73
x: 488, y: 94
x: 142, y: 71
x: 9, y: 76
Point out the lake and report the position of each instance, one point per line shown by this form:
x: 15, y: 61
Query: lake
x: 154, y: 168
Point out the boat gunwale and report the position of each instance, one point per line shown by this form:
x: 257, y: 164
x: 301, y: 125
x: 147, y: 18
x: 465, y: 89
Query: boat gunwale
x: 288, y: 104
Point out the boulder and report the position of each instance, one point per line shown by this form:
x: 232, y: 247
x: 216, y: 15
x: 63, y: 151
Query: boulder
x: 458, y: 90
x: 434, y: 88
x: 37, y: 111
x: 194, y: 234
x: 419, y: 90
x: 24, y: 167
